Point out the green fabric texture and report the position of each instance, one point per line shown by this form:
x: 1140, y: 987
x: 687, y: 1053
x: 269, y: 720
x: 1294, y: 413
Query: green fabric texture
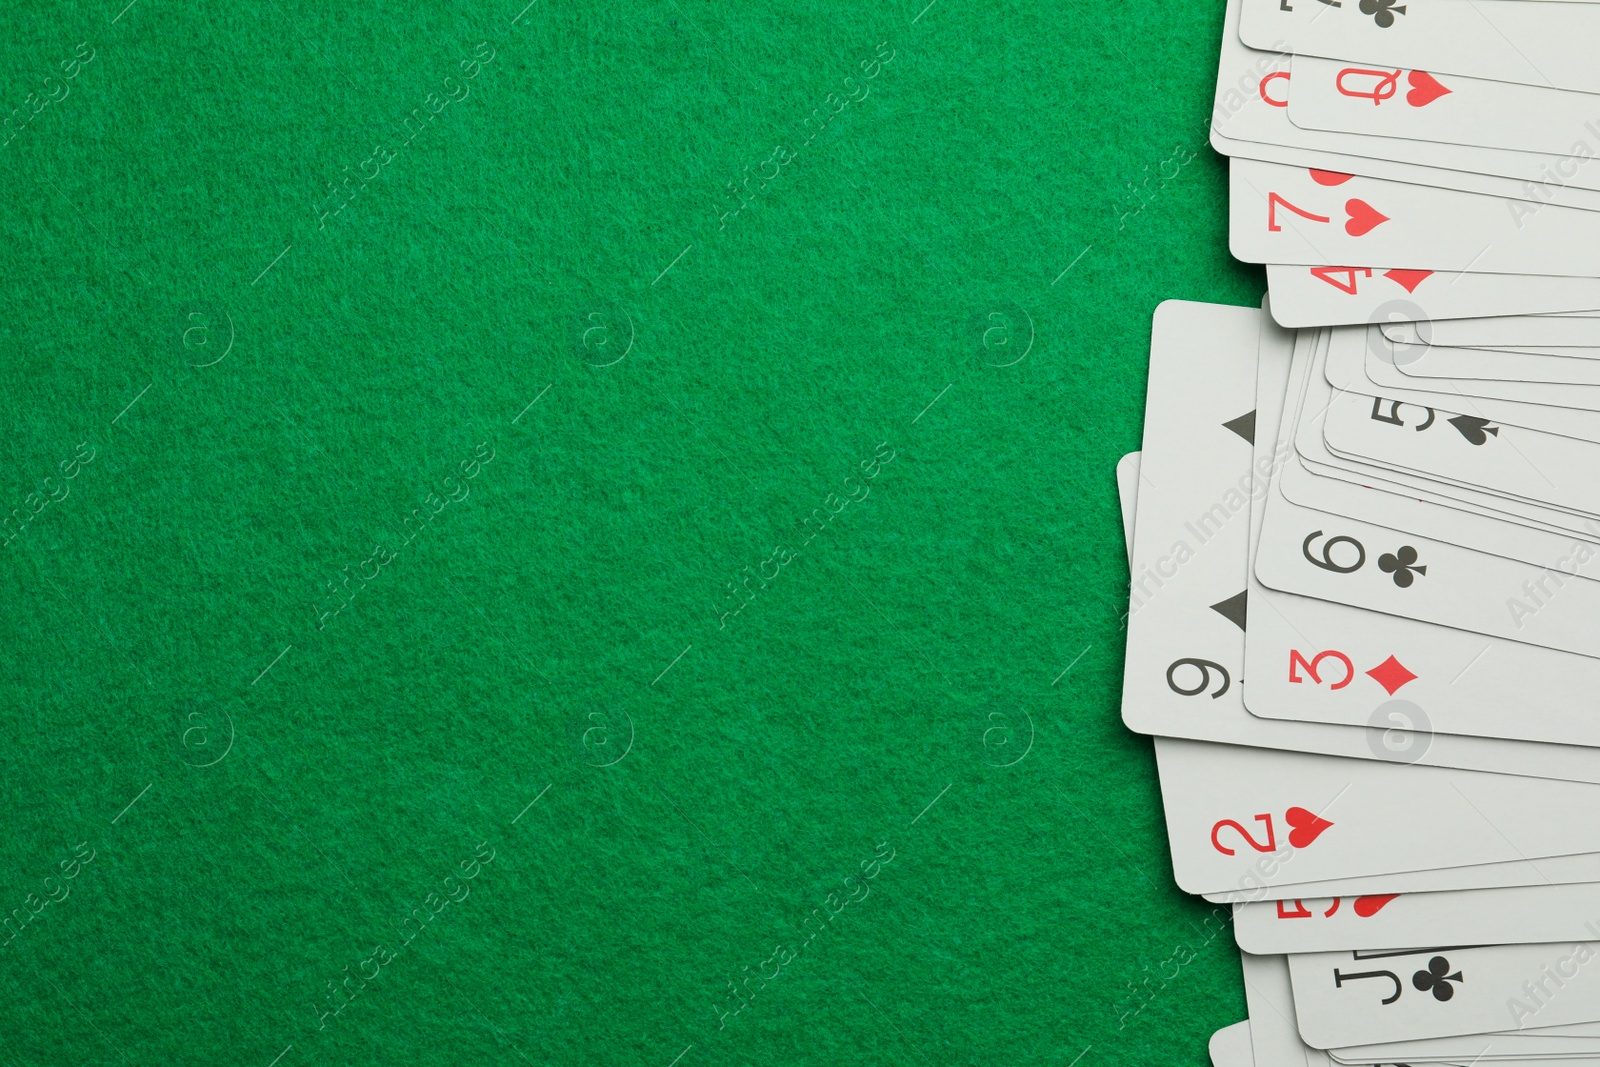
x: 587, y: 534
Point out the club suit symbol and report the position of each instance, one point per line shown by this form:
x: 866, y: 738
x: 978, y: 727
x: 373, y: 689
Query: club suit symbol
x: 1436, y: 979
x: 1382, y: 11
x: 1402, y: 565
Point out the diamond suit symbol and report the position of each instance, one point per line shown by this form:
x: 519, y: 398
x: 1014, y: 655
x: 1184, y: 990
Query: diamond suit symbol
x: 1391, y: 674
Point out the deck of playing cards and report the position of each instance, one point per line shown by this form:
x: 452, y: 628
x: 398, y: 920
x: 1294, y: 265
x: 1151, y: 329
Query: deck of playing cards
x: 1364, y: 536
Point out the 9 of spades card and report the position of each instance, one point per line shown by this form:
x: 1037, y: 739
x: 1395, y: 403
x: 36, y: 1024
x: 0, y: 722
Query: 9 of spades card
x: 1240, y: 817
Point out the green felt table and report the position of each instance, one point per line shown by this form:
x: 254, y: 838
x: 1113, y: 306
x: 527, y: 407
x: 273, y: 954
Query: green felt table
x: 587, y: 534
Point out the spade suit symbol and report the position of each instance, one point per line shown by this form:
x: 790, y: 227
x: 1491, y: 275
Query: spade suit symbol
x: 1473, y: 428
x: 1233, y: 609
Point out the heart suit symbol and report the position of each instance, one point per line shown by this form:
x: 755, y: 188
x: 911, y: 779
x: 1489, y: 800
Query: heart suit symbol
x: 1363, y: 217
x: 1306, y: 827
x: 1367, y: 907
x: 1425, y: 89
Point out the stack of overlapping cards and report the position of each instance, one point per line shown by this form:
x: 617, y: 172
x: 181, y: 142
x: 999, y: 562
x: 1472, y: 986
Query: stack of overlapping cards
x: 1451, y: 169
x: 1363, y: 632
x: 1364, y: 621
